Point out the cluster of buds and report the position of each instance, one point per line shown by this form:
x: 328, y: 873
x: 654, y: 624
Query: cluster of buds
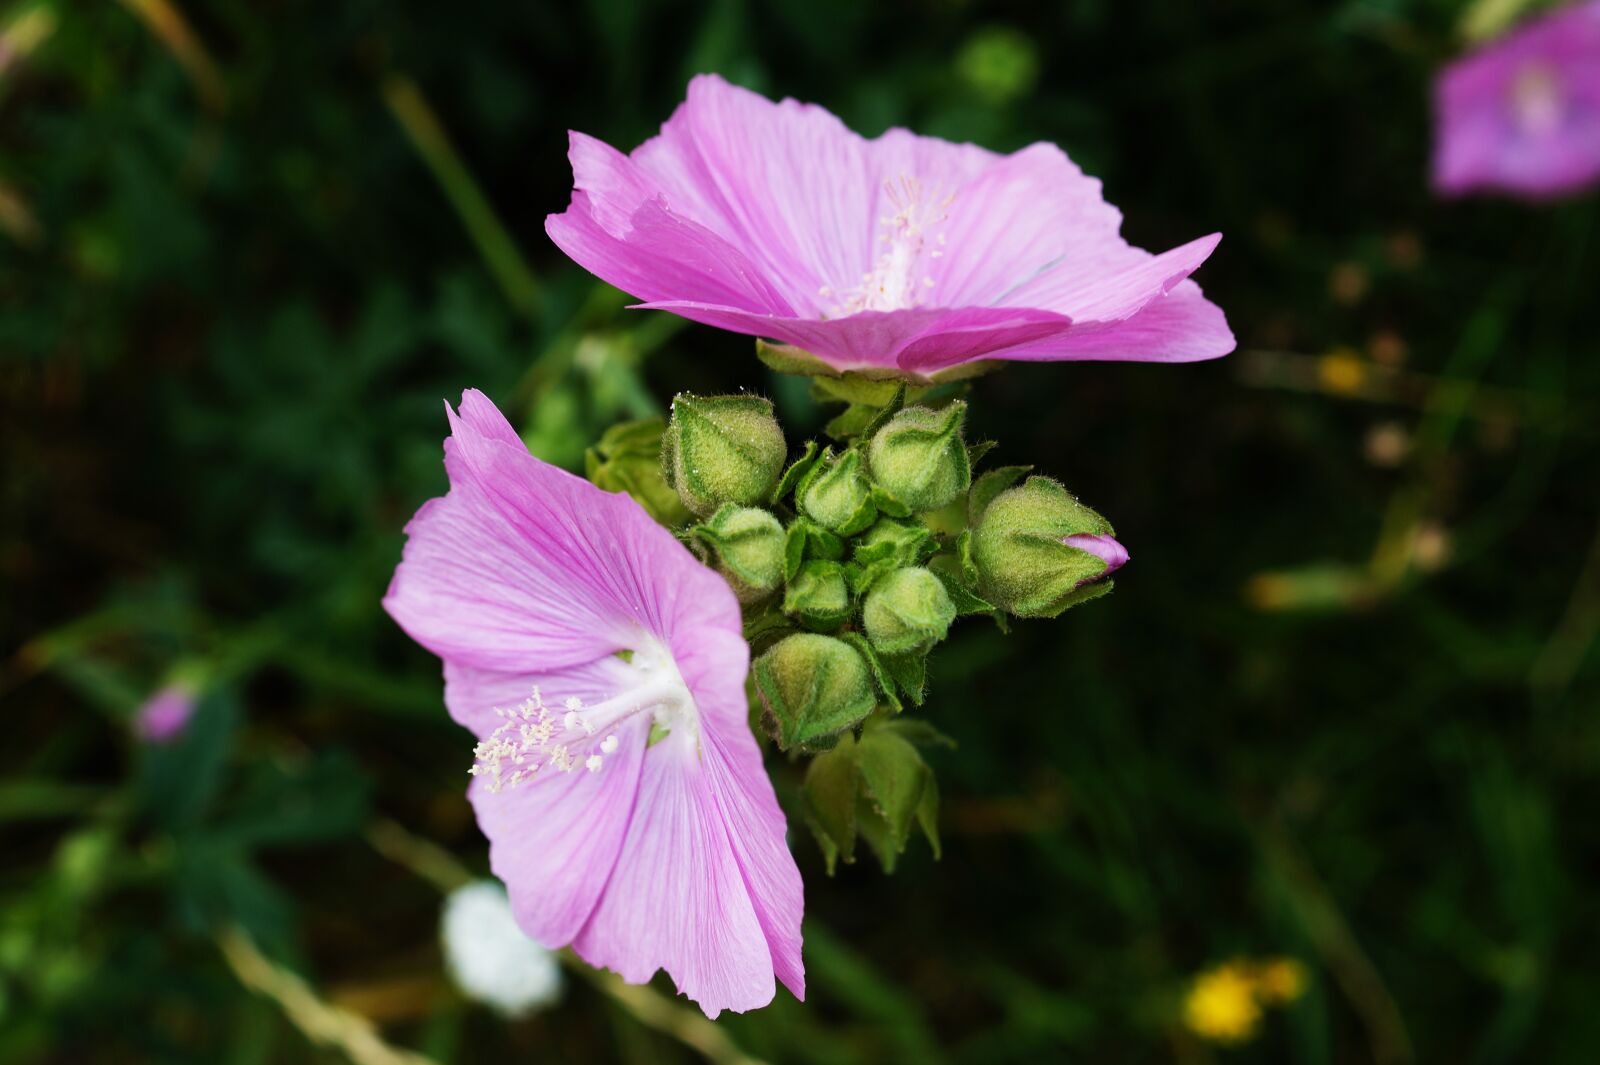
x: 852, y: 561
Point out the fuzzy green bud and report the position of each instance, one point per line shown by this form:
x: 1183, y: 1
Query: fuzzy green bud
x: 837, y: 495
x: 628, y: 459
x: 919, y: 457
x: 722, y: 449
x: 907, y: 612
x: 748, y: 543
x: 812, y: 688
x: 897, y: 542
x: 1038, y: 550
x: 818, y: 595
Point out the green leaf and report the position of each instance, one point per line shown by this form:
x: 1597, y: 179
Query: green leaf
x: 178, y: 780
x: 853, y: 421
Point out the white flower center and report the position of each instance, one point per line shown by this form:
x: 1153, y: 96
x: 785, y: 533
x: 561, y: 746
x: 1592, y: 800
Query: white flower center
x: 911, y: 240
x: 1538, y: 101
x: 537, y: 736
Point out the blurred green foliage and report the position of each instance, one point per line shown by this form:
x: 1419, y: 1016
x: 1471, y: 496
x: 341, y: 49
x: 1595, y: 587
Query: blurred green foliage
x: 1342, y: 705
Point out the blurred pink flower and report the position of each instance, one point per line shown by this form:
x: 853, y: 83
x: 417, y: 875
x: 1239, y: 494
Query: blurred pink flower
x: 1523, y: 114
x: 902, y: 252
x: 166, y: 714
x: 622, y: 793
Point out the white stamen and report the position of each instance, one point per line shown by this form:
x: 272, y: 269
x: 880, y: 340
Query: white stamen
x: 893, y: 283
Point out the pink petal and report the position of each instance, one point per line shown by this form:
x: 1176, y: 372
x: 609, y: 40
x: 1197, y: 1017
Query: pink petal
x: 554, y: 840
x: 524, y: 563
x: 1181, y: 326
x: 677, y: 898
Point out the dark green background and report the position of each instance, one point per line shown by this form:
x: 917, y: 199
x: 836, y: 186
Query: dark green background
x: 223, y: 351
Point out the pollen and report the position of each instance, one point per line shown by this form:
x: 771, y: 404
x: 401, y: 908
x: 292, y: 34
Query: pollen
x: 531, y: 737
x: 910, y: 237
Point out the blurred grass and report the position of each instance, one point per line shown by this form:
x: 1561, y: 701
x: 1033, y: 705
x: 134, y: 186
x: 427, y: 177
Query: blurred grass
x: 1341, y: 707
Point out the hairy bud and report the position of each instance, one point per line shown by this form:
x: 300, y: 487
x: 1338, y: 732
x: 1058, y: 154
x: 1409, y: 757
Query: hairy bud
x: 1038, y: 550
x: 748, y: 543
x: 812, y: 687
x: 907, y: 612
x: 919, y: 458
x: 722, y: 449
x: 837, y: 495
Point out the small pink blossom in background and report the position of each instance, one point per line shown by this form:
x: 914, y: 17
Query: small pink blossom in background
x: 1522, y: 115
x: 165, y: 715
x: 902, y: 252
x: 601, y: 668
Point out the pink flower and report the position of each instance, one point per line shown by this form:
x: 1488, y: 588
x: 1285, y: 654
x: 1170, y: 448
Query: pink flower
x: 602, y: 670
x: 901, y: 252
x: 165, y: 715
x: 1523, y: 114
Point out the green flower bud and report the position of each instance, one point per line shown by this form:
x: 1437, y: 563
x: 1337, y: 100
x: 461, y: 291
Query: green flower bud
x: 812, y: 687
x: 919, y: 457
x: 1038, y: 550
x: 897, y: 542
x: 907, y: 612
x: 628, y: 459
x: 748, y: 543
x: 722, y: 449
x: 837, y: 495
x: 818, y: 595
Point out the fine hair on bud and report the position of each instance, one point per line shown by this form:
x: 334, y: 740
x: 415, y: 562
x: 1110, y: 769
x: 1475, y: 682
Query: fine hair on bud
x: 812, y: 687
x: 748, y: 546
x: 907, y: 612
x: 837, y: 495
x: 1038, y: 551
x: 722, y: 449
x: 920, y: 458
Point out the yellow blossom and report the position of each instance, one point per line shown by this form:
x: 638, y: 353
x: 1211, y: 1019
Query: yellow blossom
x: 1221, y: 1005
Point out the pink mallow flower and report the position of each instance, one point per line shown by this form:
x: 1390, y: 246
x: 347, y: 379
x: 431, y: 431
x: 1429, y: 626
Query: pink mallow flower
x: 905, y: 253
x: 165, y: 715
x: 602, y: 669
x: 1523, y: 114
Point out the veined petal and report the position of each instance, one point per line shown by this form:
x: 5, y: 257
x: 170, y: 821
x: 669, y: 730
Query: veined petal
x: 523, y: 563
x: 677, y: 898
x: 1181, y: 326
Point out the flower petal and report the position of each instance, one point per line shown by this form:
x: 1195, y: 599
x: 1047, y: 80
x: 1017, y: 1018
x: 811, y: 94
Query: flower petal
x: 554, y: 841
x: 1181, y: 326
x: 524, y: 563
x: 677, y: 899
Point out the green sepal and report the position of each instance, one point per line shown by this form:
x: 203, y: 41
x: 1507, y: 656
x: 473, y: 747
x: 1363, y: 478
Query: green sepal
x: 767, y: 627
x: 858, y: 389
x: 989, y: 485
x: 880, y: 675
x: 627, y: 458
x: 863, y: 577
x: 966, y: 600
x: 818, y: 595
x: 828, y: 801
x: 794, y: 548
x: 797, y: 469
x: 850, y: 422
x: 976, y: 452
x: 918, y: 733
x: 910, y: 673
x: 888, y: 504
x: 749, y: 548
x: 907, y: 544
x: 893, y: 780
x: 969, y: 568
x: 786, y: 358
